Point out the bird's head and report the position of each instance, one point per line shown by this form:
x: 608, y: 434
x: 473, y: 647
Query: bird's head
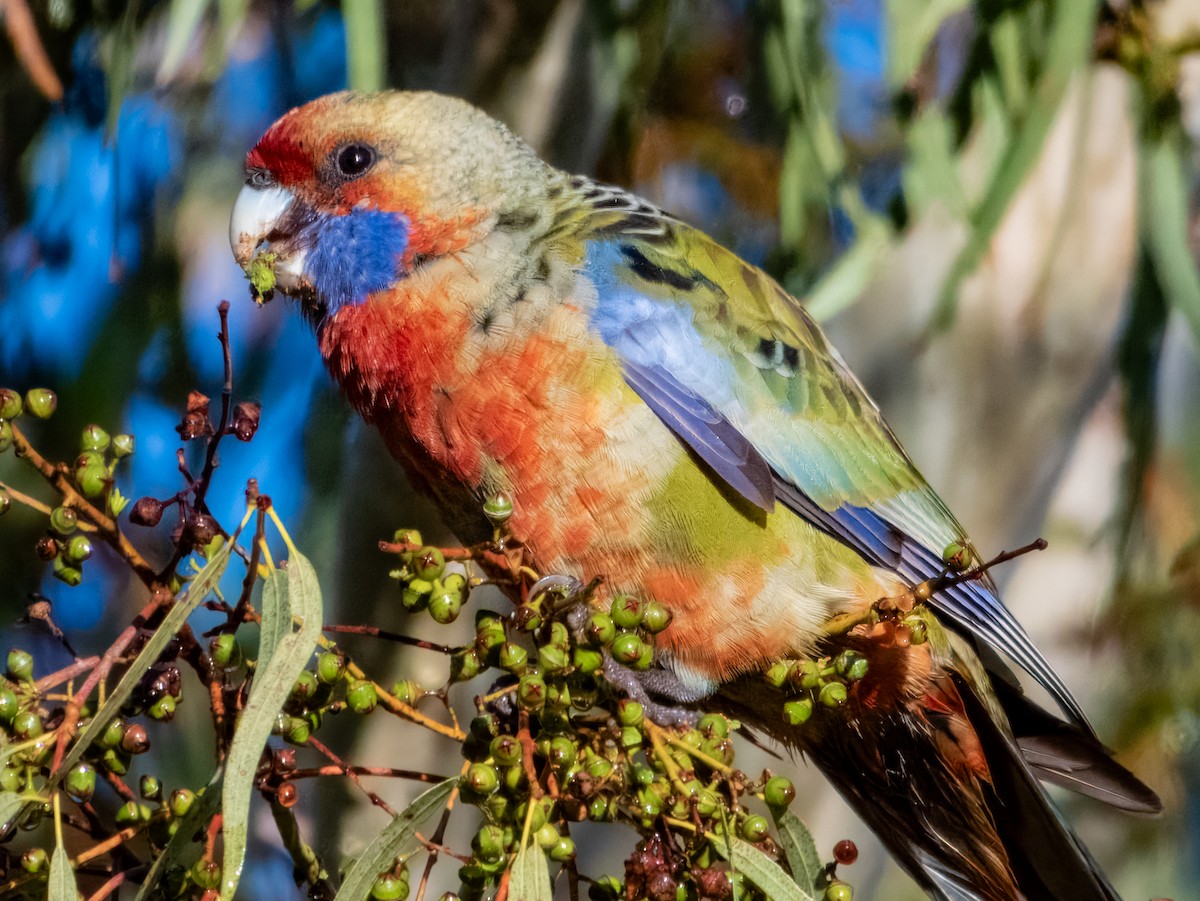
x: 348, y: 194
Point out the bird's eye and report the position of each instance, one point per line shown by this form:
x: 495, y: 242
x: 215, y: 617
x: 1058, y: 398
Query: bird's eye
x: 354, y: 159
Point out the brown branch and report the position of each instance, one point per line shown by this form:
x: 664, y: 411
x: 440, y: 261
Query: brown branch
x: 27, y: 45
x: 66, y: 674
x: 210, y: 456
x: 383, y: 771
x: 349, y: 772
x: 109, y: 887
x: 106, y: 527
x: 66, y: 729
x: 373, y: 632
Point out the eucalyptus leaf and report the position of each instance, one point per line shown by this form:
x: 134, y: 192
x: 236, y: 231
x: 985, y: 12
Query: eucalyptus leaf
x: 11, y: 805
x: 770, y: 878
x: 799, y: 849
x: 196, y: 592
x: 183, y: 23
x: 395, y: 839
x: 365, y: 48
x: 1165, y: 220
x: 183, y: 850
x: 294, y: 602
x: 61, y: 885
x: 1070, y: 46
x: 529, y: 878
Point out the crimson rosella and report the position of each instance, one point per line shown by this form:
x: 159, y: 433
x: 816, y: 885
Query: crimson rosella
x: 664, y: 416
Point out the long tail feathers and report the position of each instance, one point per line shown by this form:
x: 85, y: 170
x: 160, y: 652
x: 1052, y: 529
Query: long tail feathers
x: 952, y: 795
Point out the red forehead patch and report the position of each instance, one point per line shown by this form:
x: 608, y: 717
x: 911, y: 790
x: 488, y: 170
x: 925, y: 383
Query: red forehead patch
x: 281, y: 154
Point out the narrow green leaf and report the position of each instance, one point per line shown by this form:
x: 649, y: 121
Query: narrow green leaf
x: 530, y: 875
x: 912, y: 25
x: 1165, y: 221
x: 1009, y: 51
x: 396, y: 837
x: 196, y: 592
x: 183, y: 849
x: 183, y: 22
x: 11, y: 805
x: 1069, y: 51
x: 61, y: 886
x: 849, y: 276
x: 365, y: 49
x: 931, y: 175
x: 298, y: 606
x: 800, y: 850
x: 766, y: 874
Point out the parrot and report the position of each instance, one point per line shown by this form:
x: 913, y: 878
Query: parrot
x: 666, y: 418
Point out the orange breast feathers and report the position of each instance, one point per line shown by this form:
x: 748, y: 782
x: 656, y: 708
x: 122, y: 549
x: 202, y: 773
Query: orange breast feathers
x: 497, y: 407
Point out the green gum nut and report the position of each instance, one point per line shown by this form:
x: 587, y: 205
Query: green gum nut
x: 627, y: 648
x: 833, y: 694
x: 498, y: 509
x: 66, y: 573
x: 600, y: 629
x: 388, y: 887
x: 80, y: 782
x: 531, y: 693
x: 416, y: 594
x: 626, y: 611
x: 755, y: 828
x: 482, y: 779
x: 6, y: 435
x: 20, y: 665
x: 5, y: 500
x: 547, y: 837
x: 797, y: 712
x: 361, y: 696
x: 513, y: 658
x: 64, y: 520
x: 779, y: 792
x: 94, y: 438
x: 552, y: 658
x: 9, y: 704
x: 79, y: 548
x: 123, y: 446
x: 330, y: 667
x: 10, y: 404
x: 506, y: 750
x: 464, y: 665
x: 839, y: 891
x: 181, y: 801
x: 445, y: 605
x: 563, y: 850
x: 851, y: 664
x: 34, y: 860
x: 41, y: 402
x: 957, y: 556
x: 655, y: 617
x: 777, y: 674
x: 587, y: 660
x: 714, y: 724
x: 630, y: 712
x: 429, y: 563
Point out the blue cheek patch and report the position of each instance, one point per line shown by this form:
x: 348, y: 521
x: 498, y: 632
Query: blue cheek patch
x: 354, y: 255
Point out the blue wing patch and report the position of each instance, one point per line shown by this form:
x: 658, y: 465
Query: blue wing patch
x: 973, y: 606
x: 726, y: 450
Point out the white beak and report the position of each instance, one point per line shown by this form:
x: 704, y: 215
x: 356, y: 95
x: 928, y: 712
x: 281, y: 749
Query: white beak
x: 257, y: 213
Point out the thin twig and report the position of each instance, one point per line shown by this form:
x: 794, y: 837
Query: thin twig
x: 350, y: 773
x: 106, y: 527
x: 27, y: 45
x: 373, y: 632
